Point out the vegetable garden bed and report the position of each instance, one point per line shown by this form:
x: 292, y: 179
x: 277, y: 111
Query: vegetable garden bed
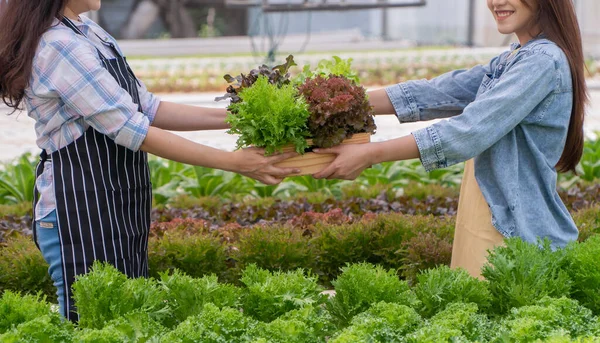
x: 255, y: 238
x: 530, y: 294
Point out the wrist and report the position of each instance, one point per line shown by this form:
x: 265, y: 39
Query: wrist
x: 375, y: 153
x: 228, y: 161
x: 216, y: 159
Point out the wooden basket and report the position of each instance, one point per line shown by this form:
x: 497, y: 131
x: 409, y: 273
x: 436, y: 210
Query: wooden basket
x: 311, y: 163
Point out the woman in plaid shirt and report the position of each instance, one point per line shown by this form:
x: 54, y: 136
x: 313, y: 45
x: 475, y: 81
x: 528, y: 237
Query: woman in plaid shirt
x: 95, y: 122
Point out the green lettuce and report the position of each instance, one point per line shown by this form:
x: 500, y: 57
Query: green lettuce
x: 269, y: 117
x: 361, y: 285
x: 325, y: 68
x: 441, y: 286
x: 269, y: 295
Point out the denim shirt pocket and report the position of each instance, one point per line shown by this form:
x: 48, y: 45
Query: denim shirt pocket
x: 490, y: 79
x: 487, y: 79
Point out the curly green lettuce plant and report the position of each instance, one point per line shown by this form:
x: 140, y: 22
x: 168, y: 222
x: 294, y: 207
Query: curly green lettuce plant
x: 269, y: 117
x: 337, y: 66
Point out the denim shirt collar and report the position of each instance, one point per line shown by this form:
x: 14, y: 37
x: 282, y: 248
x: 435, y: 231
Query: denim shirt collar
x: 516, y: 45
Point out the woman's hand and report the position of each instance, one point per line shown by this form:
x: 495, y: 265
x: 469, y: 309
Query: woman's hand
x: 253, y: 163
x: 250, y: 162
x: 351, y: 160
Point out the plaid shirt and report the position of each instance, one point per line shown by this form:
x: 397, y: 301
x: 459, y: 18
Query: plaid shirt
x: 69, y: 91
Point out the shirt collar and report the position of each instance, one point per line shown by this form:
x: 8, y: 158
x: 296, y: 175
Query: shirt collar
x: 516, y: 45
x: 82, y: 25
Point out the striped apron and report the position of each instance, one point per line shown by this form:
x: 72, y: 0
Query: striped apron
x: 103, y: 196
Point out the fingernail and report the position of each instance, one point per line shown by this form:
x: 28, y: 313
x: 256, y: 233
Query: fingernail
x: 316, y: 150
x: 296, y: 171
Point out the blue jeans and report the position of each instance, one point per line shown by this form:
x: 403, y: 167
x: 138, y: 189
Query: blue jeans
x: 49, y: 241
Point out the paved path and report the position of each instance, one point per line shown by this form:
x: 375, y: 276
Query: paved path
x: 17, y: 134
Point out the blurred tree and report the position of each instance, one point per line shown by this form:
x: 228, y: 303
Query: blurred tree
x: 177, y: 18
x: 141, y: 17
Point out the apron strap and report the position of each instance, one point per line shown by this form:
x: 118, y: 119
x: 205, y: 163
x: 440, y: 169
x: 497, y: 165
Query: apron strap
x: 69, y: 23
x: 39, y: 169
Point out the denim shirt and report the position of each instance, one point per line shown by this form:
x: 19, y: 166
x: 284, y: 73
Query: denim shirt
x: 512, y: 116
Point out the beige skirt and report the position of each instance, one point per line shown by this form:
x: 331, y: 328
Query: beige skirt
x: 474, y: 233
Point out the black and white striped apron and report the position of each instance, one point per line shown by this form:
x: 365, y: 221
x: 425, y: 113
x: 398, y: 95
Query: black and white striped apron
x: 103, y: 196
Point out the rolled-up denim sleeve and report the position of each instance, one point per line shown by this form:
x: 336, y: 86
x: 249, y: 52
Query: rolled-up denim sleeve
x: 444, y: 96
x: 494, y: 114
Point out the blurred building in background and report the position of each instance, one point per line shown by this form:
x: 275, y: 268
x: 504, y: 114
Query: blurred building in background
x: 439, y: 22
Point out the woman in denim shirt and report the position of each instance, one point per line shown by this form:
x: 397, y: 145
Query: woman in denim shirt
x: 516, y: 121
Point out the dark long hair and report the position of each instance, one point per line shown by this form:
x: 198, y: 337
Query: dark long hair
x: 558, y: 21
x: 22, y: 23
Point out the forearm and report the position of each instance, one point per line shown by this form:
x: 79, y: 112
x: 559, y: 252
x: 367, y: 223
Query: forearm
x: 170, y: 146
x: 381, y: 102
x: 179, y: 117
x: 352, y: 159
x: 403, y: 148
x: 444, y: 96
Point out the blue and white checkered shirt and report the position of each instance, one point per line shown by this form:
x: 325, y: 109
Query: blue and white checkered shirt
x: 69, y: 91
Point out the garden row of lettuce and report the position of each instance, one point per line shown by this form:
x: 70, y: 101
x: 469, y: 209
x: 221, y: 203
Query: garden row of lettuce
x: 530, y: 293
x: 319, y: 242
x: 172, y: 179
x: 354, y: 202
x: 375, y: 69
